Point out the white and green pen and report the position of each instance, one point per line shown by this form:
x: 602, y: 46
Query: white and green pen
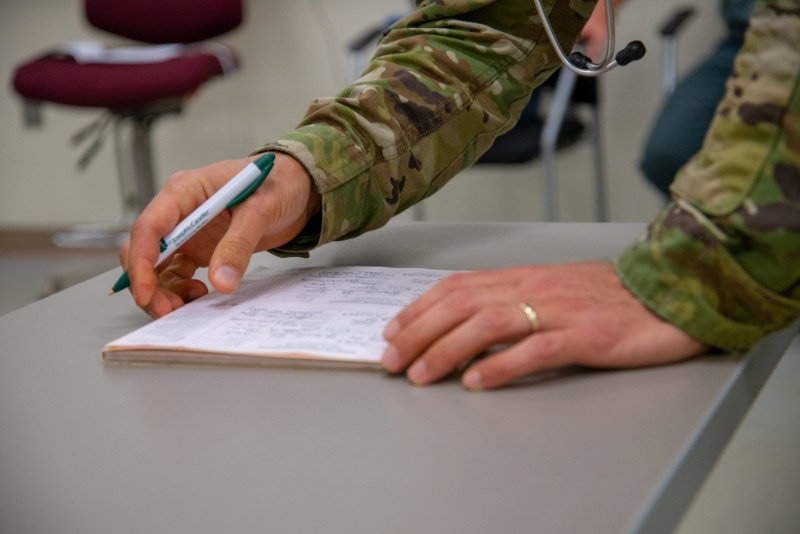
x: 235, y: 191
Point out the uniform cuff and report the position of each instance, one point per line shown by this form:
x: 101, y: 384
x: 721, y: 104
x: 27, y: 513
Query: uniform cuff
x: 697, y: 286
x: 332, y: 160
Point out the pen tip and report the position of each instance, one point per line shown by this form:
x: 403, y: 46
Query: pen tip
x: 111, y: 292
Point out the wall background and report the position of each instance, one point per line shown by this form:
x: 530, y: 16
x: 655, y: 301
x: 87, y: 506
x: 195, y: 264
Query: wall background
x: 291, y: 53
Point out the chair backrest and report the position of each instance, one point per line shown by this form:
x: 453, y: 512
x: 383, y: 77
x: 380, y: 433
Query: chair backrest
x: 164, y: 21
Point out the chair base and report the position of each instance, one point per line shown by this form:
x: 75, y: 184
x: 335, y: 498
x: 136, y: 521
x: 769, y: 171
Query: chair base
x: 132, y: 146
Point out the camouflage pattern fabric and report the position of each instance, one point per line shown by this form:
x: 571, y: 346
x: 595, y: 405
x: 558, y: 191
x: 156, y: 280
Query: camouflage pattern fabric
x: 443, y: 84
x: 722, y: 261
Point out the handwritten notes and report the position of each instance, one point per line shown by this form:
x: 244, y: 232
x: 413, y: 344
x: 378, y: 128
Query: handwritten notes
x: 335, y: 313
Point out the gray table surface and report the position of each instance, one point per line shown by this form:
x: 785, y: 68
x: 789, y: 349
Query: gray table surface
x: 88, y: 447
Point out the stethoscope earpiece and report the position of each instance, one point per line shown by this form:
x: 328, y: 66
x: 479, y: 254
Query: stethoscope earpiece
x: 633, y: 51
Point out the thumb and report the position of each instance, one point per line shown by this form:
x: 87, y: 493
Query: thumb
x: 229, y: 263
x: 249, y: 222
x: 232, y: 254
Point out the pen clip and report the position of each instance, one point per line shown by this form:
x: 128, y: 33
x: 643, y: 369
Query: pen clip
x: 253, y: 186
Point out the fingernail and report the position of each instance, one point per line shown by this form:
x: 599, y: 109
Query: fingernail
x: 227, y: 276
x: 391, y: 359
x: 417, y: 372
x: 472, y: 380
x: 391, y: 329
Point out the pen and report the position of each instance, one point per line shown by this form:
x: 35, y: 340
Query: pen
x: 235, y: 191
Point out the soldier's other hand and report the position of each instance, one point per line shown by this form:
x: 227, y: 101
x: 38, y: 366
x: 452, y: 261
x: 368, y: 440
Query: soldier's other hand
x: 584, y: 316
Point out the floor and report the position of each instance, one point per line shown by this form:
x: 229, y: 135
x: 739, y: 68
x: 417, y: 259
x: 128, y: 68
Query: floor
x: 754, y: 488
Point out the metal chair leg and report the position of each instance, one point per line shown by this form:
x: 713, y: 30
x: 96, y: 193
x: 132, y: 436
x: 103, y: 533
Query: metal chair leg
x: 552, y: 126
x: 143, y: 160
x: 136, y: 182
x: 600, y: 189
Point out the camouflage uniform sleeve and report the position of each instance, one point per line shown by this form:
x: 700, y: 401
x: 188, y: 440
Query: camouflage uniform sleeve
x: 443, y: 84
x: 722, y: 261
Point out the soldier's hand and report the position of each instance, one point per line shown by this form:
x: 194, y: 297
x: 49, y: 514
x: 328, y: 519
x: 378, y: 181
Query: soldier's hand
x: 584, y: 316
x: 274, y: 214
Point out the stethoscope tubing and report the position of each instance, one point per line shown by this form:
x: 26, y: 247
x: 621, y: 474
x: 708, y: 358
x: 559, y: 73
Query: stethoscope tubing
x: 589, y: 68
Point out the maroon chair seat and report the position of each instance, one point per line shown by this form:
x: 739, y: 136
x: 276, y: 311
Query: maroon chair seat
x: 64, y: 81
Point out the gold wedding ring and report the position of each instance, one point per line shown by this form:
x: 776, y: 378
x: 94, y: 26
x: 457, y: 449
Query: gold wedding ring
x: 531, y: 316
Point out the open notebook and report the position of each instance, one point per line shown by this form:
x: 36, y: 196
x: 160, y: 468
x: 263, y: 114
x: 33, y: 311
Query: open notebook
x: 319, y: 316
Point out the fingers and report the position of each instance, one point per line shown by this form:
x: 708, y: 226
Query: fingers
x: 177, y: 279
x: 175, y: 287
x: 161, y: 303
x: 486, y: 328
x: 142, y: 249
x: 538, y: 352
x: 486, y: 311
x: 457, y: 282
x: 418, y: 332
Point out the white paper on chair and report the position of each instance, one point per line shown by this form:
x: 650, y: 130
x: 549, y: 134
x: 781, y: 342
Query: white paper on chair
x: 88, y: 51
